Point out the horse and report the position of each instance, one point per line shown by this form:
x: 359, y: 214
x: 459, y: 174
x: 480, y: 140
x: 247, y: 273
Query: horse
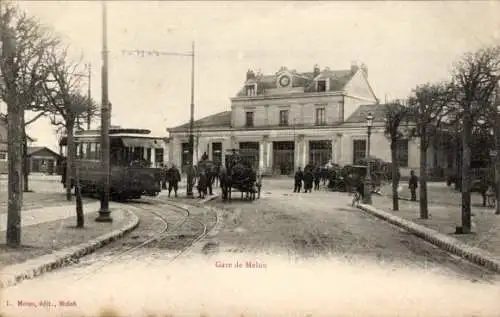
x: 225, y: 183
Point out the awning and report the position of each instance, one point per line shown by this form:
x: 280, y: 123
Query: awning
x: 142, y: 142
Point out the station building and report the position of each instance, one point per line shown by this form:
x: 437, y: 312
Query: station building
x: 285, y: 120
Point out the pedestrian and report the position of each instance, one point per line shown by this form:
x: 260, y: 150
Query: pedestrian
x: 317, y: 178
x: 174, y: 177
x: 308, y: 178
x: 299, y: 176
x: 413, y: 184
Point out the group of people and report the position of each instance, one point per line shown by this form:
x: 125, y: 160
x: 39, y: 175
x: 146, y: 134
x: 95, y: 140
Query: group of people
x: 309, y: 176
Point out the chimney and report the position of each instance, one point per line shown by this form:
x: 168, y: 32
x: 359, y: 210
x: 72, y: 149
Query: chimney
x: 354, y: 67
x: 364, y: 68
x: 250, y: 74
x: 316, y: 70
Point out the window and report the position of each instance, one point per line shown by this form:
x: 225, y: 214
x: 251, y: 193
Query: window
x: 159, y: 157
x: 358, y: 150
x: 283, y: 117
x: 84, y: 150
x: 92, y: 154
x: 402, y: 153
x: 217, y: 152
x: 320, y: 116
x: 321, y: 85
x: 251, y: 91
x: 3, y: 155
x: 249, y: 119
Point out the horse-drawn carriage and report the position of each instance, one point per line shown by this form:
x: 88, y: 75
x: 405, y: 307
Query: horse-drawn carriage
x: 346, y: 177
x: 239, y: 173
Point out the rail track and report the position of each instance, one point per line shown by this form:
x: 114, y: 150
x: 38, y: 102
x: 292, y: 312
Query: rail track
x: 151, y: 206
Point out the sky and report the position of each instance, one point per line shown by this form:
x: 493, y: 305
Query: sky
x: 402, y: 43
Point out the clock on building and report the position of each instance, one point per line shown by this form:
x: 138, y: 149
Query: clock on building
x: 284, y: 81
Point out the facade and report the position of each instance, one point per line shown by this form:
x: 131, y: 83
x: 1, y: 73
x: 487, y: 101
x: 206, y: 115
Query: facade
x: 285, y: 120
x: 42, y: 160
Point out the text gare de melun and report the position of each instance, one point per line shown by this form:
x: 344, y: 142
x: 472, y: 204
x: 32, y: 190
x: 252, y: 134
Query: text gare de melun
x: 240, y: 265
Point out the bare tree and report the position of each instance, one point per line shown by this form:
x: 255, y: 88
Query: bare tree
x: 66, y: 103
x: 397, y: 118
x: 432, y: 105
x: 475, y: 77
x: 32, y: 41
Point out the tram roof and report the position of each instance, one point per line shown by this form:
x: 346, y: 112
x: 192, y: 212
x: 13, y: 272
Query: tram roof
x: 129, y: 139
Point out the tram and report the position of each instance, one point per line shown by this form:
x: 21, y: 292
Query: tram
x: 132, y: 172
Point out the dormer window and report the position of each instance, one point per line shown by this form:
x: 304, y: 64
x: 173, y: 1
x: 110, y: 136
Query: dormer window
x: 321, y: 85
x: 251, y: 89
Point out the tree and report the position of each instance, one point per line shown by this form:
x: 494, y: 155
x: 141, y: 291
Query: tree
x: 31, y: 41
x: 396, y: 114
x: 65, y: 102
x: 431, y: 105
x: 475, y: 78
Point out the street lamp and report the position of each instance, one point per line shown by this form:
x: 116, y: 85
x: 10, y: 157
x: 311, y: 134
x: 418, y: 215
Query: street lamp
x: 367, y: 197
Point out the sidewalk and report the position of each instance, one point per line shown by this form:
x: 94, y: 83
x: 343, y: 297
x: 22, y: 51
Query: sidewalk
x: 50, y: 240
x: 46, y: 214
x: 483, y: 243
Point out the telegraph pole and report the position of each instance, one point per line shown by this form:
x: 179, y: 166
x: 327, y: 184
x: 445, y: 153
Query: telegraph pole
x: 104, y: 213
x: 89, y: 93
x: 189, y: 189
x: 142, y: 53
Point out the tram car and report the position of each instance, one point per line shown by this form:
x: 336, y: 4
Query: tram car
x: 132, y: 174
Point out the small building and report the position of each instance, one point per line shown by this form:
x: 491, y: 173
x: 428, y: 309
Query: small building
x: 42, y: 160
x: 283, y: 121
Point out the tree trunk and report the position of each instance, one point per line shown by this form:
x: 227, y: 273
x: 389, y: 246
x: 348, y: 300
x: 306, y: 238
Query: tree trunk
x: 395, y: 176
x: 466, y: 158
x: 424, y: 210
x: 79, y: 204
x: 26, y: 169
x: 70, y: 154
x: 15, y: 113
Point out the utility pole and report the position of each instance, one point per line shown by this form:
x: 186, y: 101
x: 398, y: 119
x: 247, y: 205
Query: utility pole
x: 189, y: 190
x: 104, y: 213
x: 142, y: 53
x: 89, y: 93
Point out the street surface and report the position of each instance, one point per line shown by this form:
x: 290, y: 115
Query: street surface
x: 284, y: 253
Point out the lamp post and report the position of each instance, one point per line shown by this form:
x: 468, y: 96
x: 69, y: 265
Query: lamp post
x: 367, y: 197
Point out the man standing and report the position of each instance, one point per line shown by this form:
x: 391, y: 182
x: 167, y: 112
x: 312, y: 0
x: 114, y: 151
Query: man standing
x: 174, y: 177
x: 299, y: 176
x: 413, y: 184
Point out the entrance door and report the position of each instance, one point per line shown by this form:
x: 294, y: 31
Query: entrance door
x: 320, y: 152
x: 249, y: 151
x: 283, y: 157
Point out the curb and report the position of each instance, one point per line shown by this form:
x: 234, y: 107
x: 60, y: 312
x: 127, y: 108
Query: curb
x: 445, y: 242
x: 65, y: 256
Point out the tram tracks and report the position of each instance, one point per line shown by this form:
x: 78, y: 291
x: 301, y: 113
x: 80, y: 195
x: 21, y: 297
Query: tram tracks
x: 166, y: 230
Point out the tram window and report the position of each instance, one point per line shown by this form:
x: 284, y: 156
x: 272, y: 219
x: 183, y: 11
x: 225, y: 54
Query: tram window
x: 92, y: 152
x: 87, y: 145
x: 83, y: 150
x: 97, y: 151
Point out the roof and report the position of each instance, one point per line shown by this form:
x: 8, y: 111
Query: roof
x: 378, y: 111
x: 218, y: 120
x: 338, y: 80
x: 35, y: 149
